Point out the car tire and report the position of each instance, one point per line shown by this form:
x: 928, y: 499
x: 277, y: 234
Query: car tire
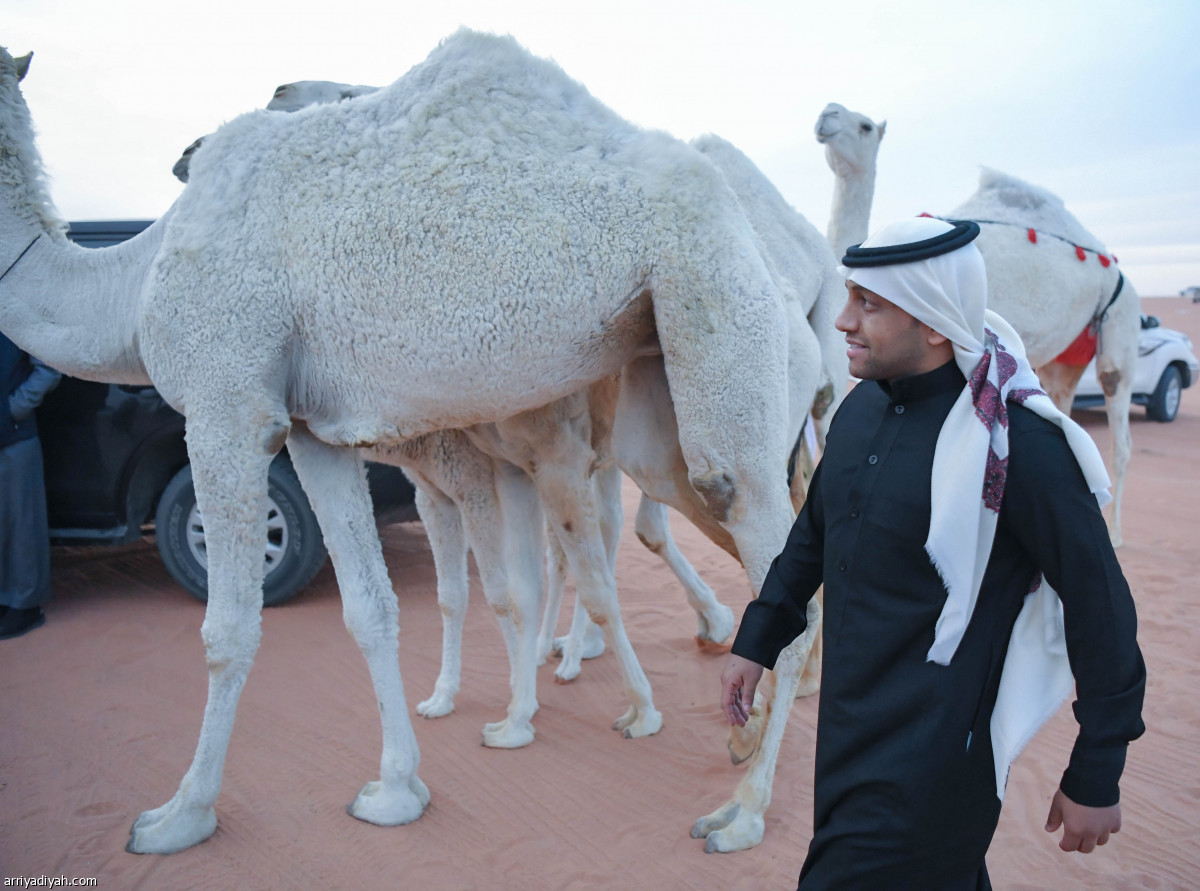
x: 1164, y: 402
x: 295, y: 551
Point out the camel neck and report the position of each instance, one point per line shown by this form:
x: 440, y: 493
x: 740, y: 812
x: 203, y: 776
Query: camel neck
x: 76, y: 308
x: 850, y: 218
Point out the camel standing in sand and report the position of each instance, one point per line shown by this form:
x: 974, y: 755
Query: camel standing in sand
x: 1049, y: 296
x: 304, y: 310
x: 1051, y: 279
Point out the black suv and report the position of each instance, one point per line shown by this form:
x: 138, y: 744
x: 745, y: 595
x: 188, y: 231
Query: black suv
x: 116, y: 464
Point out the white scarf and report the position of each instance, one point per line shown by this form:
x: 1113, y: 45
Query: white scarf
x: 949, y: 294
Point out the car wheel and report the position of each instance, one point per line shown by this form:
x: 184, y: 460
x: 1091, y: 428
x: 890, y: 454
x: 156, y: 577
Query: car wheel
x: 294, y: 551
x: 1164, y: 403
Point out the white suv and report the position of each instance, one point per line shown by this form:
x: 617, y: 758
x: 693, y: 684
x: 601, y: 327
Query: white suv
x: 1166, y: 365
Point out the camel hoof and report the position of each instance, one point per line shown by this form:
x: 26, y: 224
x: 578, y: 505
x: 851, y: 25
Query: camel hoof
x: 437, y: 705
x: 715, y: 627
x: 508, y: 734
x: 707, y: 646
x: 393, y: 804
x: 744, y: 831
x: 636, y: 723
x: 718, y: 819
x: 591, y: 646
x: 170, y: 828
x: 567, y: 671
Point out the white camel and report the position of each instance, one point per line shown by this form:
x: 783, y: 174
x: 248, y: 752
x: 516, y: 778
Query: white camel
x: 812, y: 292
x: 1052, y: 279
x: 851, y: 143
x: 715, y: 621
x: 304, y: 310
x: 1050, y: 296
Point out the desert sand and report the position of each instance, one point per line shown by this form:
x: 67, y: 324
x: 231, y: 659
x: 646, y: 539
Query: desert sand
x: 101, y: 708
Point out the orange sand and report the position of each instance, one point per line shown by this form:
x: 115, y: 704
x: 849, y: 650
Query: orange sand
x: 101, y: 708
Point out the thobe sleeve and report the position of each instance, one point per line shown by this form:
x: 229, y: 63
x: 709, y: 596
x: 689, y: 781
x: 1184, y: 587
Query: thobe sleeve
x: 1058, y: 521
x: 33, y: 390
x: 777, y: 616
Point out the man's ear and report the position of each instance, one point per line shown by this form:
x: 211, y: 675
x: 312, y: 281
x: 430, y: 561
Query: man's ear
x: 933, y: 338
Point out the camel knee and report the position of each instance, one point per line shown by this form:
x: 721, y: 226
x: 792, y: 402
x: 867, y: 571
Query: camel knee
x: 1109, y: 380
x: 653, y: 546
x: 822, y: 401
x: 229, y: 644
x: 718, y: 491
x: 371, y: 618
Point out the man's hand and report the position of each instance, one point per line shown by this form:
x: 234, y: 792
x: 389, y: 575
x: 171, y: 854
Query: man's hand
x: 1083, y: 827
x: 738, y: 681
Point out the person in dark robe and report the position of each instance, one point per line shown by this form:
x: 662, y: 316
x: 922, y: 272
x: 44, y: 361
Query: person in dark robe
x: 954, y: 520
x: 24, y: 532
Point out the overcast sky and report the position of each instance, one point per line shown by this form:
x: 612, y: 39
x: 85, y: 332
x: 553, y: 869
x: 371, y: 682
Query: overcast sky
x: 1096, y: 100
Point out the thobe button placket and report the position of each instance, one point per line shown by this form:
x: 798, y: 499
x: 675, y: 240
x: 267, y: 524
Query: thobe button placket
x: 854, y: 514
x: 874, y: 459
x: 842, y: 566
x: 899, y: 409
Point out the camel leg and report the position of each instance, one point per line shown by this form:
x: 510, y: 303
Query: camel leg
x: 448, y: 543
x: 584, y: 639
x: 810, y: 680
x: 556, y: 578
x: 336, y: 485
x: 607, y: 485
x: 1059, y: 380
x: 1116, y: 406
x: 597, y: 590
x: 571, y: 504
x: 231, y: 489
x: 737, y: 471
x: 714, y: 620
x: 520, y: 600
x: 738, y: 824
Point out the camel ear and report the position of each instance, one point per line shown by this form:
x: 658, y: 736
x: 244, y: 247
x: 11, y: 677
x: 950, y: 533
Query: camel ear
x: 882, y: 129
x: 23, y: 65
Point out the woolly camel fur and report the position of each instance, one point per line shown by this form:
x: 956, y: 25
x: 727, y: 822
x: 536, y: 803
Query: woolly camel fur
x: 1049, y: 292
x: 572, y: 433
x: 809, y: 284
x: 304, y: 310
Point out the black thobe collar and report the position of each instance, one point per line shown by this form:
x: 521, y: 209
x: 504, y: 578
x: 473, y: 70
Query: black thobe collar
x: 922, y: 386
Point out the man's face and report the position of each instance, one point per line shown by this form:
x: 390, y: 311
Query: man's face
x: 885, y: 342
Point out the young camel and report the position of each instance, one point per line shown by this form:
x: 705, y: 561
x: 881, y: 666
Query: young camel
x: 296, y: 307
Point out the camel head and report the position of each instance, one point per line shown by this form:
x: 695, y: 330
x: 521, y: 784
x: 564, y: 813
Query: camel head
x: 21, y: 169
x: 295, y: 96
x: 288, y: 97
x: 181, y: 166
x: 851, y: 140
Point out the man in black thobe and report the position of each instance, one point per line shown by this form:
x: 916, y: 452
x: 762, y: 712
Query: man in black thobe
x: 24, y: 538
x: 906, y: 785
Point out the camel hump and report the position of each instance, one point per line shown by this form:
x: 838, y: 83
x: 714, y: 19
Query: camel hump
x: 1003, y: 198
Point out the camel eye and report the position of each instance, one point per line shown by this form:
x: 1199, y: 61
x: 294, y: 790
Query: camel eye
x: 866, y: 128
